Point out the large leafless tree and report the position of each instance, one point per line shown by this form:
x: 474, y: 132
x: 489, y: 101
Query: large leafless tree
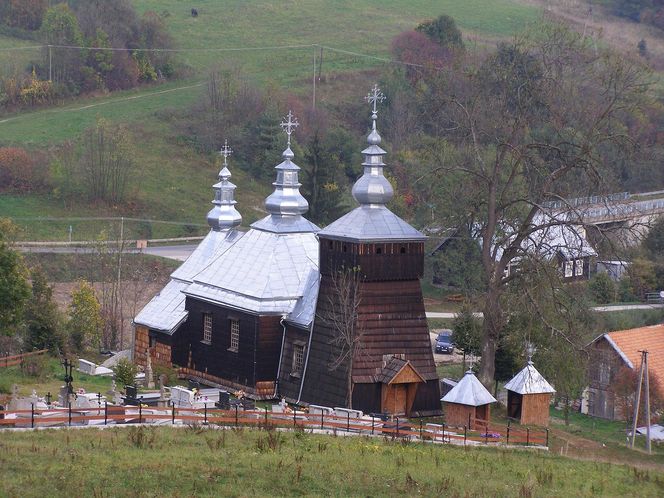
x: 540, y: 120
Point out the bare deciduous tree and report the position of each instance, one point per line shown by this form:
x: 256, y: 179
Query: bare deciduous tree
x: 342, y: 316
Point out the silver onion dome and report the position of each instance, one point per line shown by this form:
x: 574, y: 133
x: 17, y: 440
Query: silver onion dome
x: 372, y: 188
x: 223, y: 215
x: 286, y: 199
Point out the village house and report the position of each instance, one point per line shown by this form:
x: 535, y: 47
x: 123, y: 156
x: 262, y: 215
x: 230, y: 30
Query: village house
x: 613, y: 351
x: 254, y: 310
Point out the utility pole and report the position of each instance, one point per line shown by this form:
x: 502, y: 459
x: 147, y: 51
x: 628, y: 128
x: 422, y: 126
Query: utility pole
x: 50, y: 64
x: 313, y: 79
x: 643, y: 372
x: 118, y: 294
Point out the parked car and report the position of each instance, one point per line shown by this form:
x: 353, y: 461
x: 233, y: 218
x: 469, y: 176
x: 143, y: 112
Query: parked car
x: 444, y: 342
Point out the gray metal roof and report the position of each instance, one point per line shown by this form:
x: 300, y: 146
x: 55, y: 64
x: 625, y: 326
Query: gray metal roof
x: 264, y: 272
x: 224, y: 215
x: 165, y: 312
x: 469, y: 391
x: 529, y: 381
x: 305, y: 310
x: 369, y: 223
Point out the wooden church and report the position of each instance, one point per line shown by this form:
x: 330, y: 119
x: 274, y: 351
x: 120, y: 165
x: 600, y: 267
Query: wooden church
x: 330, y: 317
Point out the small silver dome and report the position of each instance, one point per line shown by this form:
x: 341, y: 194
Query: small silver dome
x: 223, y: 215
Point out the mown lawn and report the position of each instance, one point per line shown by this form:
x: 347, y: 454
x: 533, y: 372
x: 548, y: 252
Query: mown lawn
x: 200, y: 462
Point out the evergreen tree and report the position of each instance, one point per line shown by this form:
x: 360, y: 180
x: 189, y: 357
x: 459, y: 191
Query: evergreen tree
x: 42, y: 316
x: 444, y: 31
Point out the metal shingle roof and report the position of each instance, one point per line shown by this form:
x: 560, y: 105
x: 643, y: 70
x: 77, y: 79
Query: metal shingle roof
x: 371, y: 222
x: 469, y: 391
x: 264, y: 272
x: 166, y: 310
x: 529, y: 381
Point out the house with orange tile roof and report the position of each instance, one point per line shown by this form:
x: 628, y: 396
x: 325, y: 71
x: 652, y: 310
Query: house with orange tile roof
x: 612, y: 351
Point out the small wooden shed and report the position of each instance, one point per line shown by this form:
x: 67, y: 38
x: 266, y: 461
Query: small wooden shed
x: 529, y: 397
x: 468, y: 401
x: 399, y: 381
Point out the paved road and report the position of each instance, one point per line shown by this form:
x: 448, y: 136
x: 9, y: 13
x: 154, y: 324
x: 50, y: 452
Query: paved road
x: 179, y: 252
x: 600, y: 309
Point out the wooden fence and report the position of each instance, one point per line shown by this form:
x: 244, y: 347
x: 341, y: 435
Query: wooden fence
x: 11, y: 361
x: 369, y: 425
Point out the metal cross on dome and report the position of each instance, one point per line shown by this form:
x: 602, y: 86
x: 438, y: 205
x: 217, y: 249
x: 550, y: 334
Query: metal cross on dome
x: 225, y: 152
x: 375, y: 96
x: 289, y: 125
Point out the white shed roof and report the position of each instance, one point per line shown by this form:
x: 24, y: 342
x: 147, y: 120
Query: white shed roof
x: 529, y: 381
x: 469, y: 391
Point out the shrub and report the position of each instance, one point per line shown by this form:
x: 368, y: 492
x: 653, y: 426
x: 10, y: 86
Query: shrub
x: 125, y: 372
x: 602, y: 288
x: 16, y: 169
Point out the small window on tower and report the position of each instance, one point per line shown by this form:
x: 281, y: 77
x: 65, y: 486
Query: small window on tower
x: 207, y: 327
x: 379, y: 250
x: 331, y: 244
x: 403, y: 250
x: 344, y: 248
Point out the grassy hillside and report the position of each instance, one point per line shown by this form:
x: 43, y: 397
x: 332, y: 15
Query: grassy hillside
x: 175, y: 182
x: 195, y: 461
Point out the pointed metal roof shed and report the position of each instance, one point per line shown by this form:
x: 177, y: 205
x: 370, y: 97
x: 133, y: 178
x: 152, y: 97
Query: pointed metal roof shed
x: 529, y: 381
x: 469, y: 391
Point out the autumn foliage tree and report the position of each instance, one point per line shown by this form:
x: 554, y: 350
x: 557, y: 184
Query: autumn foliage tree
x: 624, y: 389
x: 84, y: 323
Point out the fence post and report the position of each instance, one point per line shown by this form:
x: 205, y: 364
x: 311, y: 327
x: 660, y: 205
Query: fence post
x: 105, y: 412
x: 32, y: 415
x: 322, y: 420
x: 527, y: 436
x: 547, y: 437
x: 69, y: 413
x: 372, y: 425
x: 140, y: 412
x: 421, y: 437
x: 173, y: 412
x: 486, y: 435
x: 205, y: 413
x: 266, y: 418
x: 465, y: 434
x: 397, y: 426
x: 443, y: 432
x: 508, y: 431
x: 294, y: 421
x: 236, y: 416
x: 347, y: 421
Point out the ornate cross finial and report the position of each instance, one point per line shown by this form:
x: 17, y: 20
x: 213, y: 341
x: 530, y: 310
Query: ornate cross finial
x: 289, y: 125
x: 375, y: 96
x: 225, y: 152
x: 530, y: 351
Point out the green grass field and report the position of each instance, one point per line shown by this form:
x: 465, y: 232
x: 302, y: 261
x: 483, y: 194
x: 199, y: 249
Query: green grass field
x: 200, y: 462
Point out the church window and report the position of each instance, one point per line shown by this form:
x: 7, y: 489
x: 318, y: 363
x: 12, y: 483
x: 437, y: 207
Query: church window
x: 578, y: 267
x: 344, y: 248
x: 235, y: 335
x: 403, y: 250
x: 298, y: 359
x: 379, y: 250
x: 569, y: 268
x: 153, y: 341
x: 207, y: 327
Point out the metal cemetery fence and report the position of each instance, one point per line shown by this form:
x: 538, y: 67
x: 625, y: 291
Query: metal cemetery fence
x: 265, y: 419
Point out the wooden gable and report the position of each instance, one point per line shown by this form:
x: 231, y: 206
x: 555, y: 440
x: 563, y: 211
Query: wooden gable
x: 406, y: 375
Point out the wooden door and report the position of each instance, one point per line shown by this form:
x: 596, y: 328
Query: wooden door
x: 395, y: 400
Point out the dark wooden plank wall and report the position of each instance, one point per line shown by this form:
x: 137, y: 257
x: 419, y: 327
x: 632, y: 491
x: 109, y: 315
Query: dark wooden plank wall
x: 376, y: 261
x: 289, y: 385
x: 260, y: 339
